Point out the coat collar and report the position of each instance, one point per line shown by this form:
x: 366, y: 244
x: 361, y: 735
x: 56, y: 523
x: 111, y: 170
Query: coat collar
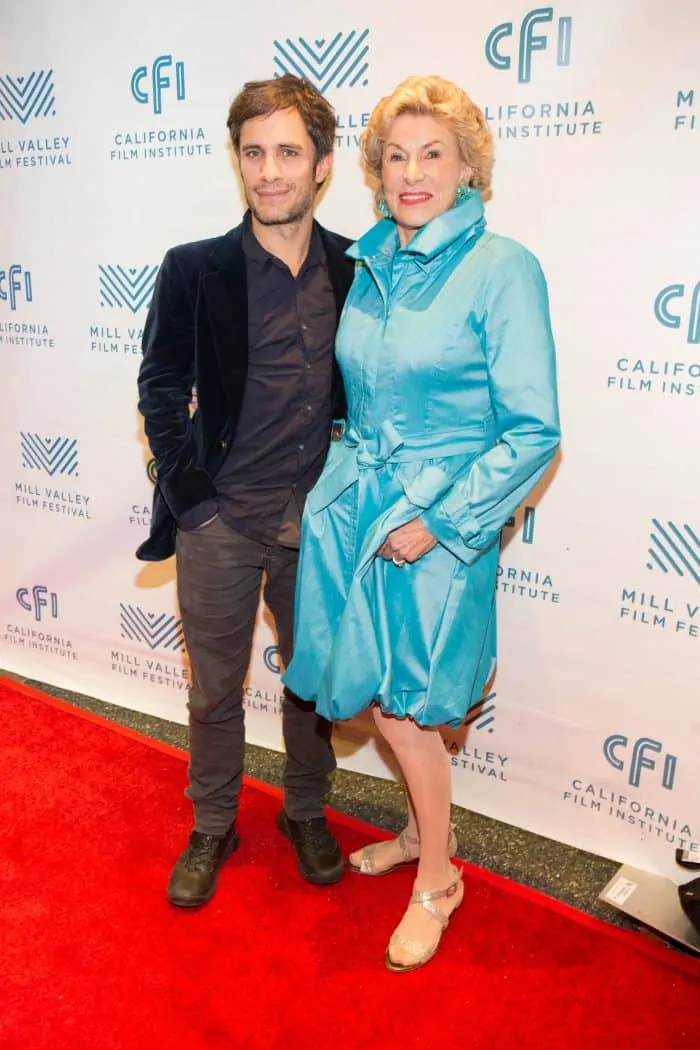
x: 381, y: 242
x: 227, y: 253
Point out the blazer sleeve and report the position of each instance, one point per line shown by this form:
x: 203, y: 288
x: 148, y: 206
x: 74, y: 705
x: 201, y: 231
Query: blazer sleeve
x: 516, y: 336
x: 165, y: 383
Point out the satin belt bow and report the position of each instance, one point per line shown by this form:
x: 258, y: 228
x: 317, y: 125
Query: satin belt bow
x: 374, y: 451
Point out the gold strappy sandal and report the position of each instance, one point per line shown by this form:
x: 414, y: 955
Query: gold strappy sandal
x: 368, y: 865
x: 423, y: 952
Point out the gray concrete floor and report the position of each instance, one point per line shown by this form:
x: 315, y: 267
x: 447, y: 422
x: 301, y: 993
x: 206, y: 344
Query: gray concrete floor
x: 567, y: 874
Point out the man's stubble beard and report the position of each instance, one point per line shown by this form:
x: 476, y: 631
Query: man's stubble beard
x: 295, y: 214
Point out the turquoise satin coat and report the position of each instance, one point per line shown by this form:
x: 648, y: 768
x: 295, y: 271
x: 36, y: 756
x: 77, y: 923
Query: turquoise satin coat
x: 447, y: 355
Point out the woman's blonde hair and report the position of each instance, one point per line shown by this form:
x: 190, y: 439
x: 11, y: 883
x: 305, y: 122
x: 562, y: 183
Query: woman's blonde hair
x: 446, y: 102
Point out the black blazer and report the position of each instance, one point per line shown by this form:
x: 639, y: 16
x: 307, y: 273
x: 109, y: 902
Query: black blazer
x: 196, y: 334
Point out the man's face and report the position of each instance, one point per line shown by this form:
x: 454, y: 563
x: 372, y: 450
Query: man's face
x: 279, y: 168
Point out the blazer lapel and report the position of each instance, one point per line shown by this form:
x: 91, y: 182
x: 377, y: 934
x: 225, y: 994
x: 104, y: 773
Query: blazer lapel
x: 340, y: 268
x: 225, y: 290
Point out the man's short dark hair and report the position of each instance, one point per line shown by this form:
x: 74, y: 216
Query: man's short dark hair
x: 259, y: 98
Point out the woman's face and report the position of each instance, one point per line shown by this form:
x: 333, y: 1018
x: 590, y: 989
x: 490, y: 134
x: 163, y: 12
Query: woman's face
x: 421, y: 169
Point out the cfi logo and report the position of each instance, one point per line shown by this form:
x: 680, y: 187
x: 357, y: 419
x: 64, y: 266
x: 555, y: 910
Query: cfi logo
x: 158, y: 82
x: 32, y: 95
x: 527, y: 533
x: 156, y: 630
x: 151, y: 471
x: 124, y: 288
x: 674, y: 548
x: 482, y: 716
x: 339, y: 62
x: 271, y: 659
x: 37, y: 599
x: 15, y: 282
x: 671, y: 319
x: 52, y: 455
x: 529, y: 41
x: 640, y: 759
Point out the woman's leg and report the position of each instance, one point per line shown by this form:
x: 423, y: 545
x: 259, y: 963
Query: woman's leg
x: 388, y: 854
x: 426, y: 769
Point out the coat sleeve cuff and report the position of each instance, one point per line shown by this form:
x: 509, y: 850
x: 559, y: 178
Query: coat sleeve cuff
x: 467, y: 542
x: 194, y: 517
x: 185, y: 489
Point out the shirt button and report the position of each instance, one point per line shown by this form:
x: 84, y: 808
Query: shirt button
x: 301, y: 447
x: 223, y: 444
x: 307, y: 367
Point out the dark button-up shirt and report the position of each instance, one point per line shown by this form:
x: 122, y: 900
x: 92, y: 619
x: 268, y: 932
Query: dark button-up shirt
x: 284, y: 427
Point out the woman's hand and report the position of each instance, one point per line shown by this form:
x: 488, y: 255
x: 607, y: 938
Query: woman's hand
x: 408, y: 543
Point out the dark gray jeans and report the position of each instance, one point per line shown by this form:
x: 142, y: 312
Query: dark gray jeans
x: 219, y: 575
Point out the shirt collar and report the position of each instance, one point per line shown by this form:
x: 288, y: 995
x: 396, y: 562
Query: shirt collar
x: 461, y: 221
x: 254, y: 251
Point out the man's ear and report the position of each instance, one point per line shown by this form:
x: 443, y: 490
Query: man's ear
x: 323, y: 168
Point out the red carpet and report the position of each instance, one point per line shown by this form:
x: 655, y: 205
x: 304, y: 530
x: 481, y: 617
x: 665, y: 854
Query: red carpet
x: 93, y: 958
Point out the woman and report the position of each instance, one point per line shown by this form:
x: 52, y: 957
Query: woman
x: 447, y: 355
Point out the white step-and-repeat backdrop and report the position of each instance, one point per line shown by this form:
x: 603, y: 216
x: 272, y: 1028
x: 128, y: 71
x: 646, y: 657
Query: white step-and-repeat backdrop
x: 113, y: 147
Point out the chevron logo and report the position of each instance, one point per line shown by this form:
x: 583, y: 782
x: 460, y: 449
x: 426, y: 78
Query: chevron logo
x: 156, y: 630
x: 674, y: 548
x: 482, y: 714
x: 339, y: 62
x: 52, y: 455
x: 127, y: 288
x: 22, y: 98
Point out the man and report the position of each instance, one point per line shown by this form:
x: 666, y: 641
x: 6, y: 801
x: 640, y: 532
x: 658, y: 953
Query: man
x: 248, y: 320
